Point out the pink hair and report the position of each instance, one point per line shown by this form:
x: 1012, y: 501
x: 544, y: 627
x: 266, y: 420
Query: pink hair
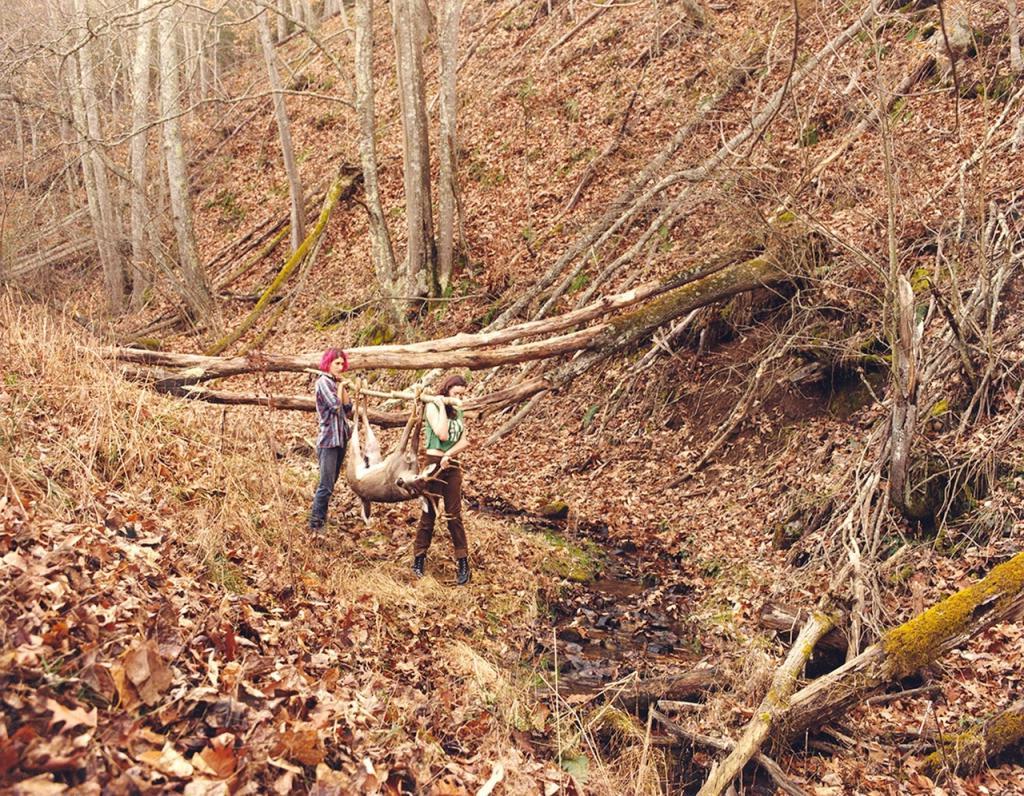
x: 329, y: 356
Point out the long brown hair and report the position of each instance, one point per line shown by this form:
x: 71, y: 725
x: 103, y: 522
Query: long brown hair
x: 445, y: 387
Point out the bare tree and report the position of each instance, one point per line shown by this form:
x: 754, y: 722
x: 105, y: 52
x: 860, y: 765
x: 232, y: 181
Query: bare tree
x: 194, y: 280
x: 107, y: 232
x: 141, y: 64
x: 298, y: 213
x: 1016, y: 64
x: 447, y: 176
x: 421, y: 252
x: 282, y: 20
x: 380, y: 240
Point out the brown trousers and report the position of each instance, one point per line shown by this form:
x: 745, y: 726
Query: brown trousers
x: 445, y: 486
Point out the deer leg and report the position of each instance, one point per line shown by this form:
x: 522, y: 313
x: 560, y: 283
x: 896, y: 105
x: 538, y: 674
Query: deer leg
x: 357, y: 448
x: 372, y: 445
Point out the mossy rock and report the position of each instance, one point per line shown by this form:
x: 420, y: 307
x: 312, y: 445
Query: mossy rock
x: 377, y: 332
x: 576, y: 563
x: 148, y: 343
x: 937, y: 491
x: 555, y: 510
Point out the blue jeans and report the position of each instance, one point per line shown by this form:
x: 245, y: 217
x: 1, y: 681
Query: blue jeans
x: 330, y: 466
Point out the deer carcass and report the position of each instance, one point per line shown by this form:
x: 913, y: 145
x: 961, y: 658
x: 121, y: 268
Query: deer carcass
x: 384, y: 479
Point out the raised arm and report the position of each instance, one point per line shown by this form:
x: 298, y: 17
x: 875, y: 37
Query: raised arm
x: 438, y: 419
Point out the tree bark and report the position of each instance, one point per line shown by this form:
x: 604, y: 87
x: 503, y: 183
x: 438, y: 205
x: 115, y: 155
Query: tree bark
x: 86, y: 161
x: 772, y: 707
x: 904, y: 650
x: 785, y: 620
x: 194, y: 279
x: 342, y: 185
x: 967, y: 753
x: 141, y: 64
x: 282, y: 21
x: 448, y: 166
x: 421, y: 254
x: 903, y: 420
x: 380, y: 239
x: 1016, y: 64
x: 107, y: 233
x: 298, y: 212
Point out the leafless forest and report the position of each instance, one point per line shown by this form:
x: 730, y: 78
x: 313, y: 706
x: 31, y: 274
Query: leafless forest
x: 736, y: 289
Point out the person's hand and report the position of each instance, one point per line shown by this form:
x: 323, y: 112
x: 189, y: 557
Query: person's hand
x: 443, y: 464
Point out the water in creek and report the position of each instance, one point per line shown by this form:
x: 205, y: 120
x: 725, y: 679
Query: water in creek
x: 631, y: 618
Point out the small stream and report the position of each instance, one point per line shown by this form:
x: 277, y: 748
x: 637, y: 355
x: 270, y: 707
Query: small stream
x: 630, y: 618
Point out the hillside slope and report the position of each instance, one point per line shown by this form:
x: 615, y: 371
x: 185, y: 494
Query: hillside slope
x: 164, y: 603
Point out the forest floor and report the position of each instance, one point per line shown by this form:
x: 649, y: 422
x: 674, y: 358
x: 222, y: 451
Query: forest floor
x: 170, y: 624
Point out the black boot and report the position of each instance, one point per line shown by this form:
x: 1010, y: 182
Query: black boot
x: 462, y: 572
x: 418, y: 564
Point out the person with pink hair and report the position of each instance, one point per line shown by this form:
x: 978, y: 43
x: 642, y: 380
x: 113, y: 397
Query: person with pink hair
x: 332, y: 407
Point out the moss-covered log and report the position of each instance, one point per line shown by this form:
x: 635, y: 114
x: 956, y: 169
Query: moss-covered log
x: 787, y: 257
x: 906, y: 649
x: 967, y: 753
x: 772, y: 707
x: 342, y: 187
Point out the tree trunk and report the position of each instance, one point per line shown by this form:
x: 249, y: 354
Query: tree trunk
x: 87, y: 162
x: 282, y: 21
x: 965, y: 754
x: 380, y: 239
x: 904, y: 650
x: 903, y: 420
x: 772, y: 707
x: 1016, y: 64
x: 200, y: 302
x: 298, y: 213
x: 141, y: 64
x: 448, y: 166
x: 421, y: 255
x: 107, y: 233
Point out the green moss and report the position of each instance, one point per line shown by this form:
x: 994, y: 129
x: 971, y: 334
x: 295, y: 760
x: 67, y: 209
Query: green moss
x: 920, y: 641
x: 149, y: 343
x: 556, y: 509
x: 376, y: 332
x: 577, y: 563
x: 1005, y: 731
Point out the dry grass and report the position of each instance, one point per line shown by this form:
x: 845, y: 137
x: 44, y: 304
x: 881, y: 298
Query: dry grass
x: 76, y: 429
x: 81, y: 443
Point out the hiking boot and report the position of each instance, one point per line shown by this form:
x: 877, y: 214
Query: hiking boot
x: 462, y: 572
x: 419, y: 563
x: 316, y: 527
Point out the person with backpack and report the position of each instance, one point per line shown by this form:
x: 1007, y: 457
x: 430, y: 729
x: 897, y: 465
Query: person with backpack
x: 332, y: 407
x: 446, y: 438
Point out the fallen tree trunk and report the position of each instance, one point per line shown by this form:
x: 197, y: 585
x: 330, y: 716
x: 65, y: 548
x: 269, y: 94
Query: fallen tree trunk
x: 639, y: 696
x: 302, y: 403
x: 968, y: 753
x: 785, y: 619
x: 772, y: 707
x: 785, y: 258
x: 343, y: 187
x: 904, y: 650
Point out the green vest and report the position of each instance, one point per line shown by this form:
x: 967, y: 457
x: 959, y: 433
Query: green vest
x: 454, y: 434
